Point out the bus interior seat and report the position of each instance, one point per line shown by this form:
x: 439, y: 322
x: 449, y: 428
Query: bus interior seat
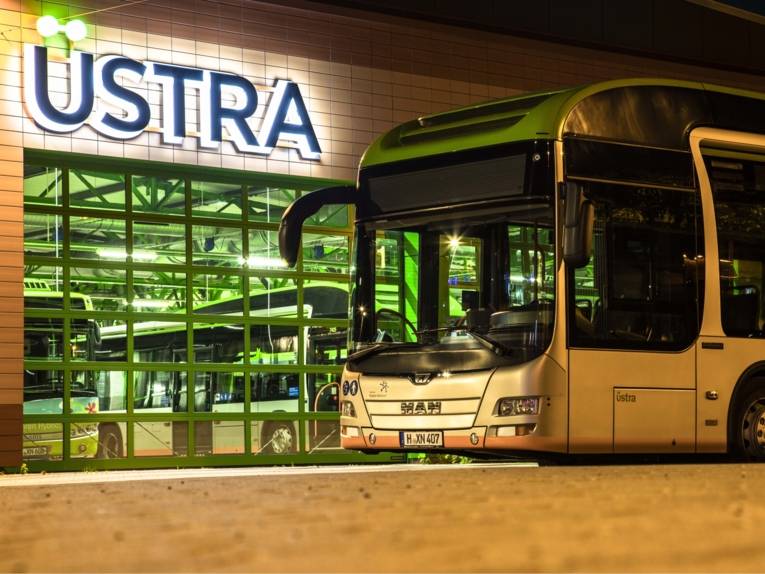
x: 741, y: 311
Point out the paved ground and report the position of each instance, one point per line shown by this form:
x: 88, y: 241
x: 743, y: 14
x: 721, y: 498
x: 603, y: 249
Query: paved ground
x: 681, y: 518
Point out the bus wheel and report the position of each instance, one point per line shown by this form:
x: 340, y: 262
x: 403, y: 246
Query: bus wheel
x: 279, y: 438
x: 750, y: 426
x: 109, y: 442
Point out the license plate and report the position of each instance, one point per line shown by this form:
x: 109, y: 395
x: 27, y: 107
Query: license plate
x: 409, y: 439
x: 34, y: 451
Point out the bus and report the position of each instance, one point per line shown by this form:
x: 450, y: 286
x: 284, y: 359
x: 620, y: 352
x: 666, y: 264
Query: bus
x: 607, y: 245
x: 166, y: 389
x: 44, y: 388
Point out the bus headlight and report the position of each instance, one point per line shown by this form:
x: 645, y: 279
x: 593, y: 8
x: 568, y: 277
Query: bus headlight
x: 512, y: 406
x: 347, y: 409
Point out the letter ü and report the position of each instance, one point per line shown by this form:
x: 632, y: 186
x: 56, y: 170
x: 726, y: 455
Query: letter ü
x: 37, y: 94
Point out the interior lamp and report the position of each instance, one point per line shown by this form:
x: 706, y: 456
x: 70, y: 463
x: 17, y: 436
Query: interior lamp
x: 75, y: 30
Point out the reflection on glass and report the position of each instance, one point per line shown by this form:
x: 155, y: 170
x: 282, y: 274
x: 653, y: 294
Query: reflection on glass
x: 273, y: 297
x: 153, y: 341
x: 159, y: 242
x: 264, y: 251
x: 84, y: 336
x: 266, y: 203
x: 274, y: 437
x: 275, y: 392
x: 43, y: 234
x: 159, y: 292
x: 111, y: 440
x: 43, y: 287
x: 42, y: 185
x: 110, y: 341
x: 159, y: 391
x: 326, y: 345
x: 218, y: 294
x: 156, y: 194
x: 330, y: 216
x: 106, y: 289
x: 322, y: 435
x: 97, y: 238
x: 96, y: 190
x: 325, y: 299
x: 107, y: 390
x: 273, y: 345
x: 43, y: 441
x: 219, y: 392
x: 43, y: 339
x: 216, y: 199
x: 160, y: 438
x: 322, y: 391
x: 218, y: 343
x: 84, y: 440
x: 325, y: 253
x: 217, y: 246
x: 219, y: 437
x: 43, y: 392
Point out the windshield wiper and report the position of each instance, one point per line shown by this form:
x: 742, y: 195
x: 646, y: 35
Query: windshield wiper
x: 489, y: 342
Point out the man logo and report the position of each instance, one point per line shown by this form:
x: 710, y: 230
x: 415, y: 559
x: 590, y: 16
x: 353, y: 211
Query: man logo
x: 421, y: 378
x: 419, y: 408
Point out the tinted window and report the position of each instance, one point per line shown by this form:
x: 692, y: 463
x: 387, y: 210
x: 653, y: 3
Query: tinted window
x: 738, y: 188
x: 640, y: 287
x: 487, y: 179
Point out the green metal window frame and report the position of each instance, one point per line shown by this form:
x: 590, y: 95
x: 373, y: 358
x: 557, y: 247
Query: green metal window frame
x: 128, y: 168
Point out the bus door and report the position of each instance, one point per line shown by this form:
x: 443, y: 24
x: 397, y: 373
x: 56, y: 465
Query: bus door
x: 731, y: 173
x: 632, y: 322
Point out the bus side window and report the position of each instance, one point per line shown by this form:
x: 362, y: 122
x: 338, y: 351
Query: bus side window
x: 738, y: 188
x: 636, y: 286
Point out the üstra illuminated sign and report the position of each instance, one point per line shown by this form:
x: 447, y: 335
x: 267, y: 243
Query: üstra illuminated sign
x: 225, y: 101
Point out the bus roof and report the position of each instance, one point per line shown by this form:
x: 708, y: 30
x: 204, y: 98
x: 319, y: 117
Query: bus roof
x: 643, y: 111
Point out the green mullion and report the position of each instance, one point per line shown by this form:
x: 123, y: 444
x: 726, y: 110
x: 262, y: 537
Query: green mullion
x: 42, y: 208
x: 336, y: 457
x: 247, y: 330
x: 196, y: 172
x: 197, y: 368
x: 66, y: 331
x: 190, y: 372
x: 176, y: 417
x: 317, y: 276
x: 66, y: 407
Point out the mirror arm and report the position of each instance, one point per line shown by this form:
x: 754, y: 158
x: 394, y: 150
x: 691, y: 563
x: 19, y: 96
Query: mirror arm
x: 291, y: 225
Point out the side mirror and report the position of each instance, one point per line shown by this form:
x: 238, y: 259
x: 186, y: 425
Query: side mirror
x: 291, y: 225
x: 577, y: 226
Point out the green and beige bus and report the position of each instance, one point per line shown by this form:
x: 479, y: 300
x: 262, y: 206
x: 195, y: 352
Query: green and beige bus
x: 607, y: 245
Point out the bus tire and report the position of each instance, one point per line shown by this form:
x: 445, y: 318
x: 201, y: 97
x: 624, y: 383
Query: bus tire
x: 749, y: 423
x: 279, y: 438
x: 109, y: 441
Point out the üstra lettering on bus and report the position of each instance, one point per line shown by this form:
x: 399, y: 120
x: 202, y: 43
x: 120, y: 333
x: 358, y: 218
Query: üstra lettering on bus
x: 92, y: 80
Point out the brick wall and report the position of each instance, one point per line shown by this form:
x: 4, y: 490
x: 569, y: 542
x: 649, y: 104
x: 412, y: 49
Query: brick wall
x: 360, y: 74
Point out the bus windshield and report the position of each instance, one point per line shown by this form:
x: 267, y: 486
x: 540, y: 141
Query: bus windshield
x: 462, y: 280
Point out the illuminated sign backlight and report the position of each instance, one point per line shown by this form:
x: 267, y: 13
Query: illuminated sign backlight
x: 225, y: 101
